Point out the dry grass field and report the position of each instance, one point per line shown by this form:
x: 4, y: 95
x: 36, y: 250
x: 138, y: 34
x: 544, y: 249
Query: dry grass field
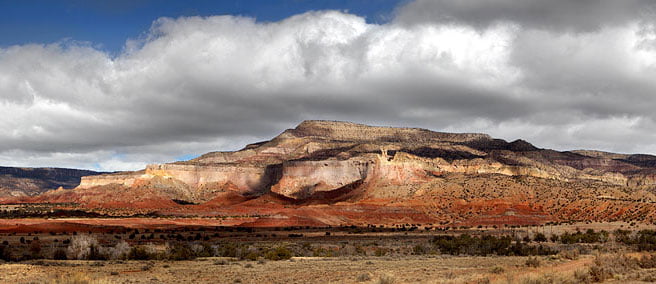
x: 433, y: 269
x: 337, y: 255
x: 411, y: 269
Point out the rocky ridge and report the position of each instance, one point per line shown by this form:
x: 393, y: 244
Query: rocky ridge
x: 33, y: 181
x: 323, y: 171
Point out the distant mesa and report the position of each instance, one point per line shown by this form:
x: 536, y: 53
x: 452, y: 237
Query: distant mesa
x: 337, y: 173
x: 34, y: 181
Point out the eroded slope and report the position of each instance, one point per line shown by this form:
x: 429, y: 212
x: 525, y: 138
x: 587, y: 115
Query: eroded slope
x: 325, y: 172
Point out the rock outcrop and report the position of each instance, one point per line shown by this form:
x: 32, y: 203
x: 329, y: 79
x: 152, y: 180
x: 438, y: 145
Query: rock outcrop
x: 301, y: 179
x: 430, y: 173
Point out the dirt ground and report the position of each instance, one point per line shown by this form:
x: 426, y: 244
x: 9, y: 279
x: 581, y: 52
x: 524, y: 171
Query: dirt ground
x: 419, y: 269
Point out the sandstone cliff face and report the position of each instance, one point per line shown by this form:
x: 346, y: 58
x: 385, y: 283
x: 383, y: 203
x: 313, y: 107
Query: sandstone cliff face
x: 417, y: 168
x: 195, y: 182
x: 245, y: 178
x: 301, y: 179
x: 124, y: 179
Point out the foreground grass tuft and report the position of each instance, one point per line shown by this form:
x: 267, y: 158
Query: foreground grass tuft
x: 386, y: 279
x: 363, y: 277
x: 77, y: 278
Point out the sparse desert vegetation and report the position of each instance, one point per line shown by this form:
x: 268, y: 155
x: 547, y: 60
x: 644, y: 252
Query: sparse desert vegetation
x: 339, y: 255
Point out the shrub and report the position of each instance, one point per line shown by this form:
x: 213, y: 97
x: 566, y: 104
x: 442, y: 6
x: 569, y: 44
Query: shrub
x: 486, y: 245
x: 81, y: 247
x: 278, y: 253
x: 322, y: 252
x: 419, y: 250
x: 251, y: 255
x: 386, y: 279
x: 554, y: 238
x: 532, y: 262
x: 59, y: 254
x: 95, y: 253
x: 623, y: 236
x: 497, y: 270
x: 227, y: 250
x: 570, y: 254
x: 605, y: 267
x: 599, y: 273
x: 380, y: 252
x: 119, y: 251
x: 645, y: 240
x: 363, y: 277
x: 203, y: 250
x: 5, y: 253
x: 35, y: 250
x: 540, y: 237
x: 590, y: 236
x: 140, y: 253
x: 180, y: 251
x: 647, y: 261
x: 582, y: 276
x: 483, y: 280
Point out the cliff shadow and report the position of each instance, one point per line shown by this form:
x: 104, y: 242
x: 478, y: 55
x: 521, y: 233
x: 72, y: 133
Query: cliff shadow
x: 272, y: 175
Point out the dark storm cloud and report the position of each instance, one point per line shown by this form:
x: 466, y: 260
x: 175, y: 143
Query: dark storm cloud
x: 558, y: 15
x: 192, y: 85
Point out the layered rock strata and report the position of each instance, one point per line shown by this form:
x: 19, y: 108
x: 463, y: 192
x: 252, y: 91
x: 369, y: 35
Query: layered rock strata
x: 324, y: 155
x: 349, y: 163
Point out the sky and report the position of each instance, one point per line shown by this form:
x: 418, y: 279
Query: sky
x: 116, y: 85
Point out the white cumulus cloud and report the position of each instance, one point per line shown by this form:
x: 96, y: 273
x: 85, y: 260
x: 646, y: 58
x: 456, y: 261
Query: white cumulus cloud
x: 198, y: 84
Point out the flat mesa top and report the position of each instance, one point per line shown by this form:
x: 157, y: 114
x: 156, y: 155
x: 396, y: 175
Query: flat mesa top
x: 340, y: 130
